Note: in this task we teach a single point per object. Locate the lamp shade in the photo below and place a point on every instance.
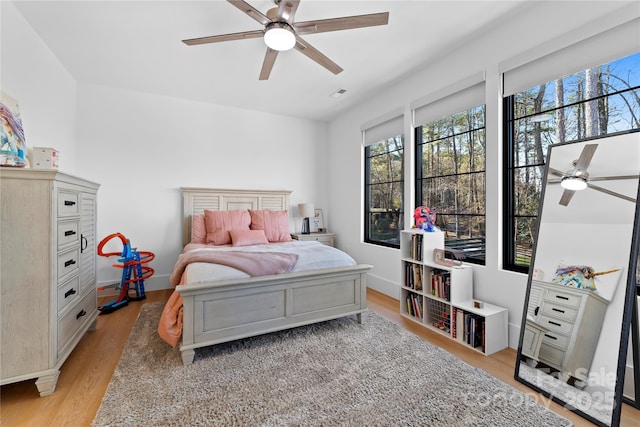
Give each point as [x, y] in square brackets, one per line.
[306, 210]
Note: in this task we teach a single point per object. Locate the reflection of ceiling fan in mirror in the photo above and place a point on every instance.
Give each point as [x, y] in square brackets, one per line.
[281, 32]
[577, 178]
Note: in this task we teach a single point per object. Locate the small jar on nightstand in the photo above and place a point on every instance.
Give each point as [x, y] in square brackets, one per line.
[324, 238]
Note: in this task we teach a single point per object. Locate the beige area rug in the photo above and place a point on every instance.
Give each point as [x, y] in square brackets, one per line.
[335, 373]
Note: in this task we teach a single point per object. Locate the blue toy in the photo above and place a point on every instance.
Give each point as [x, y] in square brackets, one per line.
[134, 272]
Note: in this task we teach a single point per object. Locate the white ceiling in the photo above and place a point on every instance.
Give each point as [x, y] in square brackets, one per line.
[137, 45]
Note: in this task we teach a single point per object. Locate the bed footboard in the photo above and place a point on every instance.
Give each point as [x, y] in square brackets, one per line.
[217, 312]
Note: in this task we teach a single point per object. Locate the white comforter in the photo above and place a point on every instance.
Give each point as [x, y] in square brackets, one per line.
[311, 256]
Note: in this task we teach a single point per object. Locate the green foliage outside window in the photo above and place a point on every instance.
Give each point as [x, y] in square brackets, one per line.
[600, 101]
[384, 166]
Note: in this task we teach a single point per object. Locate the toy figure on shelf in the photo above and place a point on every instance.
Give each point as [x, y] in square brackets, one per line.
[425, 218]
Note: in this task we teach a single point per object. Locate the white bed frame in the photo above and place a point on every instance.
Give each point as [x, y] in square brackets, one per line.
[220, 311]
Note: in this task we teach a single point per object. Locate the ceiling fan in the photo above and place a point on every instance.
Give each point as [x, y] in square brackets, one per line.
[281, 32]
[577, 178]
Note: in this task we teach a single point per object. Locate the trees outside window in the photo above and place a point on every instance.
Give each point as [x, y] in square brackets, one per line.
[450, 178]
[384, 191]
[601, 101]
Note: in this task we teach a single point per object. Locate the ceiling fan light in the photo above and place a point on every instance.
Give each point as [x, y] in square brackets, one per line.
[574, 183]
[279, 36]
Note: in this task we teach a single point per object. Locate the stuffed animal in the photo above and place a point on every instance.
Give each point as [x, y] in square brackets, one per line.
[425, 218]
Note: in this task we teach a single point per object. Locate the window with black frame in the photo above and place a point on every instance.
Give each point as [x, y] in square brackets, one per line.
[593, 103]
[450, 178]
[384, 191]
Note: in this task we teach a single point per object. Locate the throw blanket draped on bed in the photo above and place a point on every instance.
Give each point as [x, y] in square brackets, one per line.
[254, 264]
[251, 263]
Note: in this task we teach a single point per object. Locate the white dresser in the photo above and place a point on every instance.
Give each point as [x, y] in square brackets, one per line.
[48, 272]
[572, 320]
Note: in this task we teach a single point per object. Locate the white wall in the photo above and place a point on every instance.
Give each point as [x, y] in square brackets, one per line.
[44, 89]
[141, 148]
[522, 37]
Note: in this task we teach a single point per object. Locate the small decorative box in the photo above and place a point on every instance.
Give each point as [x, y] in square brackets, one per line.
[44, 158]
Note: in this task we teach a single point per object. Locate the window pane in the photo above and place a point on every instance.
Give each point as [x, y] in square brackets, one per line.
[384, 182]
[600, 101]
[451, 178]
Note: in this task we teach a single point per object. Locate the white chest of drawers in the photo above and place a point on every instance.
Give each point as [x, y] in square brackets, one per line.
[48, 272]
[572, 319]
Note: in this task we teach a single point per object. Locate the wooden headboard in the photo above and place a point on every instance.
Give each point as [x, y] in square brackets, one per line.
[196, 200]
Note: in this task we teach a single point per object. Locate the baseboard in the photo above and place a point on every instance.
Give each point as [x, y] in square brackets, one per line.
[155, 283]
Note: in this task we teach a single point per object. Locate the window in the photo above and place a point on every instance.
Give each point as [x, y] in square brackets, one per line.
[598, 101]
[450, 178]
[384, 191]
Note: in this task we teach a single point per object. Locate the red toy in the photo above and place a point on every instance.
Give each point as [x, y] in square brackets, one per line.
[134, 272]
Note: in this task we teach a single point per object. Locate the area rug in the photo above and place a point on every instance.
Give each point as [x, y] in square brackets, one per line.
[334, 373]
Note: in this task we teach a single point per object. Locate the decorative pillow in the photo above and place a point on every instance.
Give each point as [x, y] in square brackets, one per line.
[248, 237]
[219, 223]
[198, 229]
[274, 223]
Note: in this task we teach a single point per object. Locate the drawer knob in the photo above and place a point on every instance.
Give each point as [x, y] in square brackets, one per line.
[82, 313]
[558, 310]
[69, 233]
[555, 323]
[563, 298]
[69, 203]
[69, 293]
[551, 337]
[70, 262]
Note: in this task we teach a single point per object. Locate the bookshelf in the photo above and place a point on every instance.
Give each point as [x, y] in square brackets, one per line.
[441, 297]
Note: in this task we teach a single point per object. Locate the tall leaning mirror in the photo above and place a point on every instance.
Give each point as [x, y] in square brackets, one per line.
[581, 285]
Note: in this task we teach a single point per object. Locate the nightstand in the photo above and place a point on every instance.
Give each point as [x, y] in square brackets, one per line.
[324, 238]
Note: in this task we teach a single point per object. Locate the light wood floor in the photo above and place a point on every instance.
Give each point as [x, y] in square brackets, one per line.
[86, 373]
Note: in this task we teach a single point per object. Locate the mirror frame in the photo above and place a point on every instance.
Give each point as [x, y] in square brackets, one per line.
[629, 303]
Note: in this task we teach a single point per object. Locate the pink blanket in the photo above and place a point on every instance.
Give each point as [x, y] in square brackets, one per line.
[251, 263]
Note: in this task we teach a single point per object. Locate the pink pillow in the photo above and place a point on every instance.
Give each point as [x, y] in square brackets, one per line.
[248, 237]
[274, 223]
[198, 230]
[219, 223]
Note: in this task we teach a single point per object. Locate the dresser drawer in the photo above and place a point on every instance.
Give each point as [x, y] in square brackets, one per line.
[551, 355]
[69, 324]
[68, 233]
[559, 311]
[556, 325]
[556, 296]
[67, 203]
[68, 263]
[68, 293]
[557, 340]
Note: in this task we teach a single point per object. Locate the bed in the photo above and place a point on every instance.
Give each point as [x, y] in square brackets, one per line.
[226, 307]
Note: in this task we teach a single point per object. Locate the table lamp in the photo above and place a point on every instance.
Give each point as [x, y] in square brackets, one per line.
[306, 211]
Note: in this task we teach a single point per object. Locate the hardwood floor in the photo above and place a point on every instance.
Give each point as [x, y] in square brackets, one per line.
[86, 373]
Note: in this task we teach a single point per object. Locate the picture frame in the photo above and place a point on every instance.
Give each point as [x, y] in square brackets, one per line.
[317, 222]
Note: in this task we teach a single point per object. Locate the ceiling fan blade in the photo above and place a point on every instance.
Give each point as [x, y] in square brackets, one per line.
[314, 54]
[556, 172]
[566, 197]
[267, 64]
[287, 9]
[251, 11]
[613, 177]
[224, 37]
[585, 158]
[345, 23]
[611, 193]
